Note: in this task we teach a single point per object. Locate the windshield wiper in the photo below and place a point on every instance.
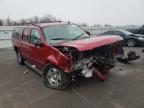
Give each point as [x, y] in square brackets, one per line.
[80, 36]
[60, 39]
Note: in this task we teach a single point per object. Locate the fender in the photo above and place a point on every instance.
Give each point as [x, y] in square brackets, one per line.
[61, 61]
[52, 60]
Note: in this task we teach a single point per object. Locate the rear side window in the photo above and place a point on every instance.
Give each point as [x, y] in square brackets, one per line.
[26, 35]
[118, 33]
[17, 32]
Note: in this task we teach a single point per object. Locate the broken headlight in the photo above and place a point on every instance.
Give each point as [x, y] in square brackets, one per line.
[70, 52]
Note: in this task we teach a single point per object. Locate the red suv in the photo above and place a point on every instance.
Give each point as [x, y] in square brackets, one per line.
[61, 52]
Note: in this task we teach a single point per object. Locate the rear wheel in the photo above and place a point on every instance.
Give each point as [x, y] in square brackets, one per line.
[55, 78]
[131, 42]
[20, 59]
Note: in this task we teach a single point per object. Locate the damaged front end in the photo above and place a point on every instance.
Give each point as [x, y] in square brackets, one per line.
[93, 62]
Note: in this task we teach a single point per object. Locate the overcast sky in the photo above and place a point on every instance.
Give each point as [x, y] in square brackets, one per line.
[115, 12]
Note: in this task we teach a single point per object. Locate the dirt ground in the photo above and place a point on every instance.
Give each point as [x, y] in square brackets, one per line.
[20, 87]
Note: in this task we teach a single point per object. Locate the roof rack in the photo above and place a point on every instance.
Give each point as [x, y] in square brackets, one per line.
[36, 24]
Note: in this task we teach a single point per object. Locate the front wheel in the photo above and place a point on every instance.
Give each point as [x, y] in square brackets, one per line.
[55, 78]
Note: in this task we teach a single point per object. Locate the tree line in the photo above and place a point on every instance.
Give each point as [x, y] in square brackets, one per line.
[44, 19]
[35, 19]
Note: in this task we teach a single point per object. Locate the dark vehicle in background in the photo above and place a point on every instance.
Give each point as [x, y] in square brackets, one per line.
[137, 31]
[130, 39]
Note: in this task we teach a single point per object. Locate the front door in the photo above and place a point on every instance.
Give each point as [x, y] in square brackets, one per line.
[37, 52]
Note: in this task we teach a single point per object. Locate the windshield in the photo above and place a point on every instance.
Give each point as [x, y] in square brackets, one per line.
[126, 32]
[60, 33]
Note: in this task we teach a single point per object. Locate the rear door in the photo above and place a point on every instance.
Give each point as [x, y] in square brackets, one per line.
[25, 44]
[16, 36]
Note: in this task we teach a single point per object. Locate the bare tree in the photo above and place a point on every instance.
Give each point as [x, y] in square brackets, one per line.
[36, 19]
[1, 22]
[84, 24]
[97, 25]
[15, 23]
[8, 22]
[22, 21]
[107, 25]
[47, 18]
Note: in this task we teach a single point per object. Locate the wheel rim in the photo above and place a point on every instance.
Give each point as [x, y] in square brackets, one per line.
[131, 43]
[54, 77]
[19, 57]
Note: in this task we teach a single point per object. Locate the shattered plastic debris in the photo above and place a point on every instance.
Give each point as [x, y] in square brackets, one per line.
[33, 66]
[25, 72]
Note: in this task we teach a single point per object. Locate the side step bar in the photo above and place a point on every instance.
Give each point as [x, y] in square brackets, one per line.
[33, 67]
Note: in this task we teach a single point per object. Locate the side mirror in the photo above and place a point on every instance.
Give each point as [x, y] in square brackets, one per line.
[87, 32]
[38, 42]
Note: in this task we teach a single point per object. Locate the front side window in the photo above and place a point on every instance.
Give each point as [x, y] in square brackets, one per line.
[60, 33]
[35, 36]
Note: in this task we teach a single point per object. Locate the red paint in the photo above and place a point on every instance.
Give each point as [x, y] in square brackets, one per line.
[93, 42]
[42, 56]
[98, 74]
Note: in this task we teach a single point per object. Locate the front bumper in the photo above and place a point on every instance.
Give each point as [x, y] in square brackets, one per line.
[140, 42]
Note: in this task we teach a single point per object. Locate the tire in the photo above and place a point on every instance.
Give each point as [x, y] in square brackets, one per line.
[20, 59]
[56, 78]
[131, 42]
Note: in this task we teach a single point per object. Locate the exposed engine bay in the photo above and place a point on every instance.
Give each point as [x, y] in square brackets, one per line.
[85, 62]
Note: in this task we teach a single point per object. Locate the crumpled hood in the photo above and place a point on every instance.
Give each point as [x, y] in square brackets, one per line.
[90, 43]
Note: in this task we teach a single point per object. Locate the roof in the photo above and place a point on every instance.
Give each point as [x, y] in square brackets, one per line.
[41, 24]
[50, 24]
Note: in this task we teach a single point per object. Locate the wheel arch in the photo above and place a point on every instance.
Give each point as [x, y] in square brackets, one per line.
[60, 61]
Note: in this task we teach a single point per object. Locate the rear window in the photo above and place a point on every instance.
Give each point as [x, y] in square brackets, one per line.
[108, 33]
[17, 32]
[26, 35]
